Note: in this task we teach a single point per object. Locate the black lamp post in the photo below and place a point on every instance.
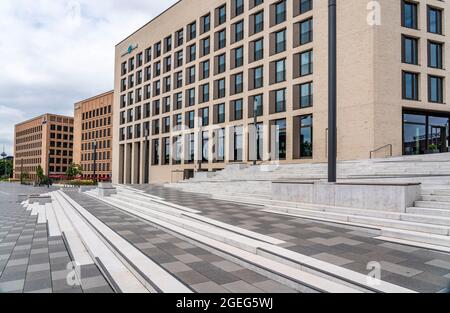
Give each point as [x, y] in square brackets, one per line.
[332, 92]
[255, 122]
[146, 161]
[95, 161]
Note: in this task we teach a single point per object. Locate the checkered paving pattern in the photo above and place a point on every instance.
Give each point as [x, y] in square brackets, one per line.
[350, 247]
[197, 268]
[33, 262]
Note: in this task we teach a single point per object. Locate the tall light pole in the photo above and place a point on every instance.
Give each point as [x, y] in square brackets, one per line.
[332, 92]
[146, 160]
[3, 159]
[255, 123]
[95, 161]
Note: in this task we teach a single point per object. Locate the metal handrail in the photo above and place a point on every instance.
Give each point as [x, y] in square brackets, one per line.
[381, 148]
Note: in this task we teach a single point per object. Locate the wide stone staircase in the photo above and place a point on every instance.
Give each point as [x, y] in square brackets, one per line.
[263, 254]
[426, 224]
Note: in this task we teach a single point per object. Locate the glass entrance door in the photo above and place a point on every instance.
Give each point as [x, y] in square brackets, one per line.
[438, 138]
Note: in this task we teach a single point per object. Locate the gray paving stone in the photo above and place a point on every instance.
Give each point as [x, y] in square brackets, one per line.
[399, 270]
[12, 286]
[176, 267]
[439, 263]
[241, 287]
[333, 259]
[209, 287]
[93, 282]
[228, 266]
[192, 277]
[34, 285]
[39, 267]
[271, 286]
[188, 258]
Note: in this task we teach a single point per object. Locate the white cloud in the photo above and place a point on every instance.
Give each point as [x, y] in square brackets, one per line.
[57, 52]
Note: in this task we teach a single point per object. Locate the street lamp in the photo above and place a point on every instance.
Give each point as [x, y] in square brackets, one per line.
[146, 161]
[4, 155]
[332, 93]
[255, 122]
[95, 161]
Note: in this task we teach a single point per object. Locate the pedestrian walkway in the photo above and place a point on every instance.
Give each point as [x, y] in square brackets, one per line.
[350, 247]
[30, 260]
[197, 268]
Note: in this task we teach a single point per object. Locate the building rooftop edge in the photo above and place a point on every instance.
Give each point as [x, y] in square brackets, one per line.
[94, 97]
[149, 22]
[41, 116]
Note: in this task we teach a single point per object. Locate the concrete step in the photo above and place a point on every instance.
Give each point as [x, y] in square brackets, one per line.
[431, 239]
[433, 205]
[366, 220]
[436, 198]
[98, 249]
[437, 192]
[429, 212]
[313, 273]
[149, 274]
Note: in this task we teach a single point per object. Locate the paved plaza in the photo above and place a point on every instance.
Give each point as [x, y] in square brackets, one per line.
[353, 248]
[32, 261]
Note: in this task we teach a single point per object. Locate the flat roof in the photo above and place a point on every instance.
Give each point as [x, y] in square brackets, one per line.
[152, 20]
[95, 97]
[41, 116]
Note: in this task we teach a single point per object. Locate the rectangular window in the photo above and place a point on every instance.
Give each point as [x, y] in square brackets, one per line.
[410, 49]
[306, 31]
[258, 78]
[237, 108]
[306, 6]
[205, 116]
[306, 63]
[205, 146]
[410, 86]
[280, 12]
[220, 113]
[238, 57]
[258, 22]
[258, 49]
[205, 69]
[435, 89]
[306, 95]
[409, 14]
[238, 83]
[280, 41]
[238, 143]
[238, 7]
[222, 14]
[219, 153]
[239, 31]
[192, 30]
[435, 54]
[280, 100]
[222, 39]
[206, 23]
[434, 20]
[166, 151]
[280, 139]
[306, 136]
[221, 63]
[280, 68]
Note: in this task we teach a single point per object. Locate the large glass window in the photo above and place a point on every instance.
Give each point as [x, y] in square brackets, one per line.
[259, 50]
[425, 133]
[306, 136]
[205, 146]
[306, 95]
[306, 63]
[280, 38]
[280, 12]
[280, 140]
[306, 31]
[238, 143]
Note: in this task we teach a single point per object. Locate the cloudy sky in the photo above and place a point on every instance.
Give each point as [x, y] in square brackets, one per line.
[57, 52]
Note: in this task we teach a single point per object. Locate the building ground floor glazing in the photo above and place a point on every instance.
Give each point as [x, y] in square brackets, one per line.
[177, 154]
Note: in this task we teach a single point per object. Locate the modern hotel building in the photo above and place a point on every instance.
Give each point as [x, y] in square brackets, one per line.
[45, 141]
[189, 83]
[93, 136]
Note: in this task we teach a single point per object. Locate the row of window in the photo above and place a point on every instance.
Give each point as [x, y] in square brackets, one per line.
[410, 17]
[97, 134]
[106, 121]
[102, 144]
[97, 112]
[278, 41]
[98, 156]
[303, 66]
[410, 52]
[411, 87]
[303, 98]
[278, 16]
[100, 167]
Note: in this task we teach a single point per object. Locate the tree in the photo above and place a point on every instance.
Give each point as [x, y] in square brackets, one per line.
[74, 170]
[6, 168]
[40, 174]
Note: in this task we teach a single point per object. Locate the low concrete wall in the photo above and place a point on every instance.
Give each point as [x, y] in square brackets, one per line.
[370, 196]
